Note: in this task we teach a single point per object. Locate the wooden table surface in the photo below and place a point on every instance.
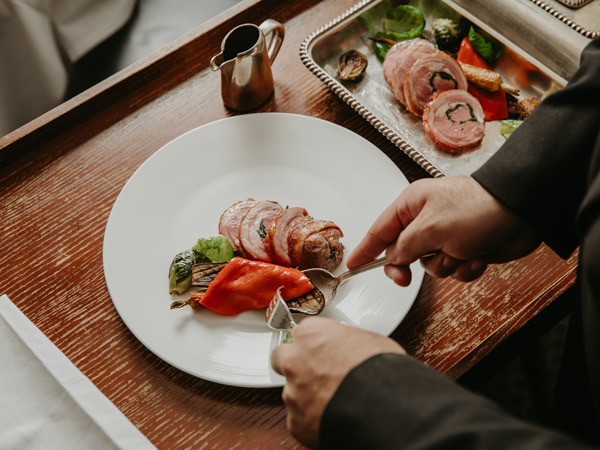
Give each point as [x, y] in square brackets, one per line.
[59, 178]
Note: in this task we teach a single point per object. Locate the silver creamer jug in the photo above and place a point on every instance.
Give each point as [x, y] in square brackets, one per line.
[247, 53]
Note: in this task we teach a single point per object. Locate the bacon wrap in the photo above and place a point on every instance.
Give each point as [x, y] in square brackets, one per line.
[430, 74]
[277, 239]
[400, 59]
[254, 229]
[230, 220]
[316, 243]
[454, 121]
[265, 231]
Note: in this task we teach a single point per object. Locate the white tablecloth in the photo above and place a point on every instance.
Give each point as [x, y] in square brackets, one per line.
[46, 402]
[39, 40]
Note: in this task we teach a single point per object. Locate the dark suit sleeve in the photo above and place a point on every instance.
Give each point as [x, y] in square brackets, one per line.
[543, 170]
[542, 173]
[395, 402]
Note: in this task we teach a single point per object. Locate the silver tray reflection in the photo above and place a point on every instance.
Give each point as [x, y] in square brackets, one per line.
[584, 19]
[372, 98]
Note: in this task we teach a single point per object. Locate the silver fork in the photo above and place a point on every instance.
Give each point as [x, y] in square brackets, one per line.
[278, 315]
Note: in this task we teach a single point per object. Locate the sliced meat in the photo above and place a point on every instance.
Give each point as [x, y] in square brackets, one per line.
[453, 119]
[254, 229]
[397, 64]
[230, 220]
[277, 239]
[315, 243]
[429, 74]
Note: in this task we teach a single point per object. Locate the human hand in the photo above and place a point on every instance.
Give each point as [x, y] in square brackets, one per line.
[452, 224]
[321, 354]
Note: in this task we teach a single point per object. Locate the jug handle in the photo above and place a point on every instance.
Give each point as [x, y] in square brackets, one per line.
[274, 33]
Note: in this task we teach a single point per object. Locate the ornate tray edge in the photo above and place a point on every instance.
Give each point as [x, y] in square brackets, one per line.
[566, 20]
[347, 97]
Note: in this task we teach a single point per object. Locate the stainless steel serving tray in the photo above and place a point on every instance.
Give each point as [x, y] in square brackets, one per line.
[584, 19]
[372, 98]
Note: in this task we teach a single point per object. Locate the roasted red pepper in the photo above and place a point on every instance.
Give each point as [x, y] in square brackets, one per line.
[468, 55]
[245, 284]
[494, 104]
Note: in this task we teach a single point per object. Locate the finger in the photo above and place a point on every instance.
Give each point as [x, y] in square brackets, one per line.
[277, 357]
[440, 265]
[401, 275]
[470, 270]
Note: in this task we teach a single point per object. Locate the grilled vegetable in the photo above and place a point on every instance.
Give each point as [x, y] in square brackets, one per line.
[245, 284]
[180, 272]
[212, 249]
[447, 34]
[494, 104]
[468, 55]
[351, 65]
[486, 79]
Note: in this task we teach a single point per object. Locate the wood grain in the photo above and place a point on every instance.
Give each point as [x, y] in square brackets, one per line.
[61, 173]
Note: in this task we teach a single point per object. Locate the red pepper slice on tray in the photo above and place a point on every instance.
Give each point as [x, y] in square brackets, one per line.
[494, 104]
[468, 55]
[246, 284]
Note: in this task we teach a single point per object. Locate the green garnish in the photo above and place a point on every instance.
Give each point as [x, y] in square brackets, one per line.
[216, 248]
[212, 249]
[180, 272]
[399, 24]
[487, 48]
[507, 126]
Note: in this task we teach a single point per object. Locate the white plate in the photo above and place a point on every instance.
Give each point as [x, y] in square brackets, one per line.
[177, 196]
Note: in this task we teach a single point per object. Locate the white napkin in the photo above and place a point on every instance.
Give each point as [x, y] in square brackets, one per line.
[46, 402]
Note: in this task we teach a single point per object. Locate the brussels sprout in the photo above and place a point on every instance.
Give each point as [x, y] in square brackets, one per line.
[447, 34]
[180, 272]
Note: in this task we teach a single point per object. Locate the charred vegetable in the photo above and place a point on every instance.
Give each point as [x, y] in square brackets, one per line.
[180, 272]
[245, 284]
[311, 303]
[212, 249]
[486, 79]
[204, 273]
[447, 34]
[351, 65]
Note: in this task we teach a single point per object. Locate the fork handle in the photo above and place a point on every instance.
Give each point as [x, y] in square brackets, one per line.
[360, 269]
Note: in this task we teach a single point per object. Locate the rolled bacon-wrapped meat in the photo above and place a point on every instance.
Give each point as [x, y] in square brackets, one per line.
[398, 61]
[428, 75]
[265, 231]
[453, 119]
